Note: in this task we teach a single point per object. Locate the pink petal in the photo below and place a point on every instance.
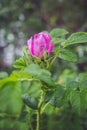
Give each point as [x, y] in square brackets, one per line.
[29, 43]
[39, 45]
[51, 46]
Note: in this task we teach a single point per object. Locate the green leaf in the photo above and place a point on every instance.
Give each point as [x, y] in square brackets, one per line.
[83, 98]
[41, 74]
[48, 95]
[66, 54]
[82, 76]
[11, 123]
[10, 98]
[57, 32]
[83, 85]
[33, 69]
[20, 76]
[3, 74]
[47, 79]
[78, 100]
[16, 76]
[75, 101]
[20, 63]
[79, 37]
[30, 101]
[67, 77]
[72, 85]
[58, 97]
[58, 40]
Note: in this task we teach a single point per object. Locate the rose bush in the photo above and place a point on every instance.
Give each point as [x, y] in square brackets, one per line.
[32, 91]
[41, 43]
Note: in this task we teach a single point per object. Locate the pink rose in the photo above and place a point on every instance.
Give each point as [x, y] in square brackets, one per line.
[41, 43]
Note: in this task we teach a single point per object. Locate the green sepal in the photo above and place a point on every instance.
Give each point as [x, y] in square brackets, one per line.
[20, 63]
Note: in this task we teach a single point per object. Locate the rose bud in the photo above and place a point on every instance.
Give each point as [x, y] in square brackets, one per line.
[41, 43]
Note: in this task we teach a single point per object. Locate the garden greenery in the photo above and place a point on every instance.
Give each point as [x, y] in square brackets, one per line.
[30, 91]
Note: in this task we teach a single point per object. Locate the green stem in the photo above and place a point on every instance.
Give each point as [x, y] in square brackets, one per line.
[56, 55]
[44, 108]
[39, 111]
[38, 120]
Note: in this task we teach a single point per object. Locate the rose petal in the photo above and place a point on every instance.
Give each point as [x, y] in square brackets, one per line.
[29, 43]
